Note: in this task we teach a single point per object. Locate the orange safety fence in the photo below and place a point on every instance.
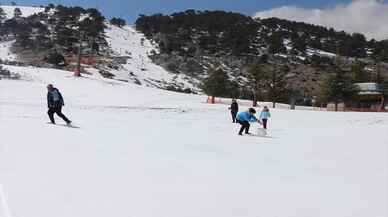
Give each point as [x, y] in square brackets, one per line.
[84, 60]
[224, 101]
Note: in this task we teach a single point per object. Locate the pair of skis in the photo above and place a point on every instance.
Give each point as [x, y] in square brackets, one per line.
[71, 125]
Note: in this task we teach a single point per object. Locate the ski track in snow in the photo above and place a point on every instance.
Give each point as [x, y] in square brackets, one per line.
[4, 208]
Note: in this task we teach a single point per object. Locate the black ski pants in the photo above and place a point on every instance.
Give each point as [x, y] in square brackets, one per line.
[58, 111]
[265, 123]
[234, 116]
[244, 126]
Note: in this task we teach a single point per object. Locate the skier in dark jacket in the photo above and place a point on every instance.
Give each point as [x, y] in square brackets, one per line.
[234, 110]
[55, 103]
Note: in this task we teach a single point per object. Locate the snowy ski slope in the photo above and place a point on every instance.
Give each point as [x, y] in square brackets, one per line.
[126, 41]
[145, 152]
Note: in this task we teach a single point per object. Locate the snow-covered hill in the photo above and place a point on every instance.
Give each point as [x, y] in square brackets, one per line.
[146, 152]
[5, 53]
[124, 42]
[26, 10]
[185, 62]
[127, 42]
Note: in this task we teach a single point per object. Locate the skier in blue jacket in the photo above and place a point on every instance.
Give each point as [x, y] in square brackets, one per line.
[264, 116]
[244, 118]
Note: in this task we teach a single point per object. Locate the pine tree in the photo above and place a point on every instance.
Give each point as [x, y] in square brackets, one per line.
[118, 22]
[276, 45]
[17, 13]
[217, 83]
[379, 75]
[276, 83]
[3, 16]
[337, 88]
[359, 73]
[385, 88]
[298, 44]
[256, 81]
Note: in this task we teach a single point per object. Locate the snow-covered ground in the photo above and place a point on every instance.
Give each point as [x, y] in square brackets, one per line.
[312, 52]
[5, 51]
[26, 10]
[127, 42]
[145, 152]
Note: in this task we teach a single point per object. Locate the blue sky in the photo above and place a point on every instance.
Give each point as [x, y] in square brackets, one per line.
[130, 9]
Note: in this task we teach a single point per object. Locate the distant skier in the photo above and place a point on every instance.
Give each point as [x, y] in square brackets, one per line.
[264, 116]
[55, 103]
[244, 118]
[234, 110]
